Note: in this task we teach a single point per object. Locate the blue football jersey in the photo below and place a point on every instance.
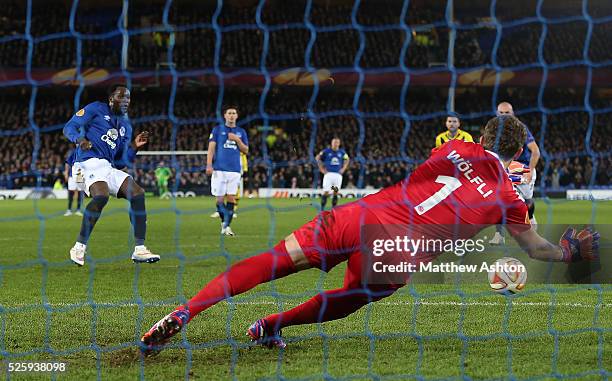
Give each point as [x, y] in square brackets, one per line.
[109, 134]
[526, 154]
[333, 160]
[227, 153]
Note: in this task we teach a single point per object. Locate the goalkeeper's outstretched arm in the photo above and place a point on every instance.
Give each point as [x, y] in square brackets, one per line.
[574, 246]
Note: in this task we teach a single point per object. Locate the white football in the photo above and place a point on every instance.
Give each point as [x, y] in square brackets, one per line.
[507, 276]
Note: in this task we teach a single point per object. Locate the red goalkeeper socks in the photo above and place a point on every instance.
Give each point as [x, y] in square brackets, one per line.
[330, 305]
[241, 277]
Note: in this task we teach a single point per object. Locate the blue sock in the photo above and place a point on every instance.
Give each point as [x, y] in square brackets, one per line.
[334, 201]
[221, 211]
[498, 229]
[79, 200]
[138, 217]
[92, 213]
[70, 197]
[229, 213]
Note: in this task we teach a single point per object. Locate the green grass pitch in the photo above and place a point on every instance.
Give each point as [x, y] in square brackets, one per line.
[92, 317]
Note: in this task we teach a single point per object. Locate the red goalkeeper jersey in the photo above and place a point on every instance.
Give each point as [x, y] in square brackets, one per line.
[460, 183]
[458, 191]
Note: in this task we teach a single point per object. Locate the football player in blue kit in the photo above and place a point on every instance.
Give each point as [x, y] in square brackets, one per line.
[223, 163]
[103, 135]
[333, 162]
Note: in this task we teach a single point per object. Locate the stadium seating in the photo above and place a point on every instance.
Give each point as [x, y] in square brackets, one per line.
[379, 160]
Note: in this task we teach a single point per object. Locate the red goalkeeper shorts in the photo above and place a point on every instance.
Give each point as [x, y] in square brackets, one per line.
[333, 237]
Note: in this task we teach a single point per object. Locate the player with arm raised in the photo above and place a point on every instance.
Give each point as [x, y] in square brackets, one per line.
[453, 131]
[225, 144]
[72, 185]
[461, 184]
[529, 158]
[103, 135]
[333, 162]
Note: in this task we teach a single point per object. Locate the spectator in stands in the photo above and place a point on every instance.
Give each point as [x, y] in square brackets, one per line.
[384, 155]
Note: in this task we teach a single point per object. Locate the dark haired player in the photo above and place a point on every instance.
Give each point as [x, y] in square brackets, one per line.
[225, 144]
[453, 132]
[461, 183]
[103, 135]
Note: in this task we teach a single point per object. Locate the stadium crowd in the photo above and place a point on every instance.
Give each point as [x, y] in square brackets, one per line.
[377, 27]
[383, 146]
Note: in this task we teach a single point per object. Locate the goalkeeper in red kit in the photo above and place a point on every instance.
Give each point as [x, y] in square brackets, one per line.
[460, 184]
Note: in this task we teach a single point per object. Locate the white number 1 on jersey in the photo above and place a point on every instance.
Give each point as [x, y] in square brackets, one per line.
[450, 185]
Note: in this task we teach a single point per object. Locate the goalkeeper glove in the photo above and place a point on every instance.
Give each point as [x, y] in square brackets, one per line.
[515, 172]
[579, 246]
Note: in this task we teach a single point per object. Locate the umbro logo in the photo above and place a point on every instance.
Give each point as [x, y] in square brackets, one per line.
[107, 118]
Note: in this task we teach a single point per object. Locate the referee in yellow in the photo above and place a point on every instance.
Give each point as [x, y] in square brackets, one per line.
[453, 131]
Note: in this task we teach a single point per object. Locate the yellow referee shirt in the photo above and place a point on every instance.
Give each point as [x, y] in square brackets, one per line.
[244, 164]
[445, 136]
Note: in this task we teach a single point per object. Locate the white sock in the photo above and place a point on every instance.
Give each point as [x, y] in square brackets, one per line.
[140, 247]
[80, 245]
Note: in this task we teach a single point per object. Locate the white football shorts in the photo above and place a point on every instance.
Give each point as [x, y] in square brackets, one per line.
[72, 185]
[240, 191]
[526, 190]
[224, 183]
[93, 170]
[332, 178]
